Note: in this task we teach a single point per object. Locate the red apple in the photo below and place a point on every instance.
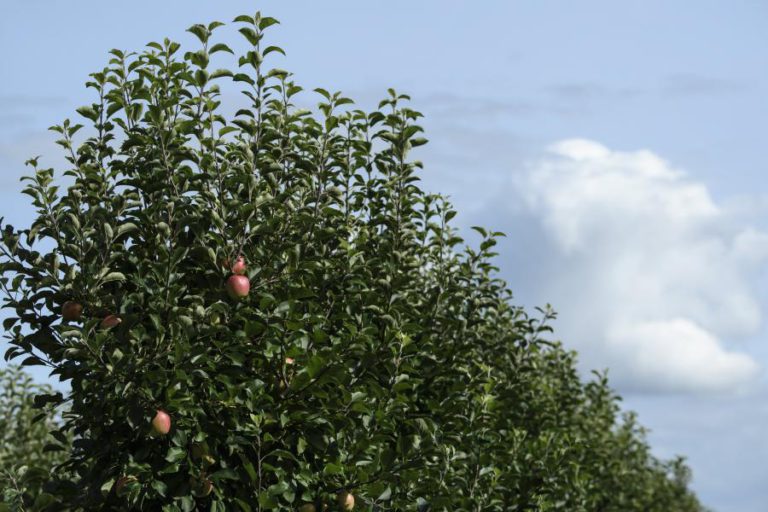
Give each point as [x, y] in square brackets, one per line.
[161, 423]
[71, 311]
[289, 360]
[110, 321]
[346, 500]
[238, 286]
[239, 266]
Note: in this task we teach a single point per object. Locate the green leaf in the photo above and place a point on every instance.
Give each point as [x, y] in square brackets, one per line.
[113, 276]
[224, 474]
[315, 366]
[250, 34]
[220, 47]
[89, 112]
[175, 454]
[128, 227]
[200, 31]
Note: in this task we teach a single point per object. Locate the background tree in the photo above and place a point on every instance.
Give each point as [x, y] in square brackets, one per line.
[263, 311]
[26, 455]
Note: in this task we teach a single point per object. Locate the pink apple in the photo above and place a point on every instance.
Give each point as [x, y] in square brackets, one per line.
[346, 500]
[71, 311]
[239, 266]
[161, 423]
[238, 286]
[110, 321]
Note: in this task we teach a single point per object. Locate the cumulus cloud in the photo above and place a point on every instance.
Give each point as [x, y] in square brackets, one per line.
[651, 276]
[675, 354]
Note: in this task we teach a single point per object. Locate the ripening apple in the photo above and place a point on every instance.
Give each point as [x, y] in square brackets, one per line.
[238, 286]
[200, 485]
[200, 452]
[346, 500]
[110, 321]
[308, 507]
[289, 360]
[71, 311]
[239, 266]
[122, 482]
[201, 488]
[161, 423]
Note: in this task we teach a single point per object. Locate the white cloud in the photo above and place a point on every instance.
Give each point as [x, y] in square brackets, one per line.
[676, 354]
[650, 276]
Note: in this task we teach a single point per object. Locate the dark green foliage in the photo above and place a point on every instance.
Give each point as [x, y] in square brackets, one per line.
[412, 380]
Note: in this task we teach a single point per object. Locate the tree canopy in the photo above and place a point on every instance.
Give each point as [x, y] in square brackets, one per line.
[256, 307]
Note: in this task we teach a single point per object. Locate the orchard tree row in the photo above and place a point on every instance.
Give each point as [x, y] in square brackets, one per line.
[255, 307]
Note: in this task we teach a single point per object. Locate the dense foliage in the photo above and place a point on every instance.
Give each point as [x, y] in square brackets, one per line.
[26, 458]
[369, 355]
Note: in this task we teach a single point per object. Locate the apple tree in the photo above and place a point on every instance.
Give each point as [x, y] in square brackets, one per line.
[256, 307]
[28, 451]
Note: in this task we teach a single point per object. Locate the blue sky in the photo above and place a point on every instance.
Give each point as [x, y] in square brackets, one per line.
[620, 145]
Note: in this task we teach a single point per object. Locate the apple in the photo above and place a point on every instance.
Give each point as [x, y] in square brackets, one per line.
[110, 321]
[307, 507]
[239, 266]
[161, 423]
[71, 311]
[200, 452]
[203, 487]
[289, 360]
[238, 286]
[346, 500]
[122, 482]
